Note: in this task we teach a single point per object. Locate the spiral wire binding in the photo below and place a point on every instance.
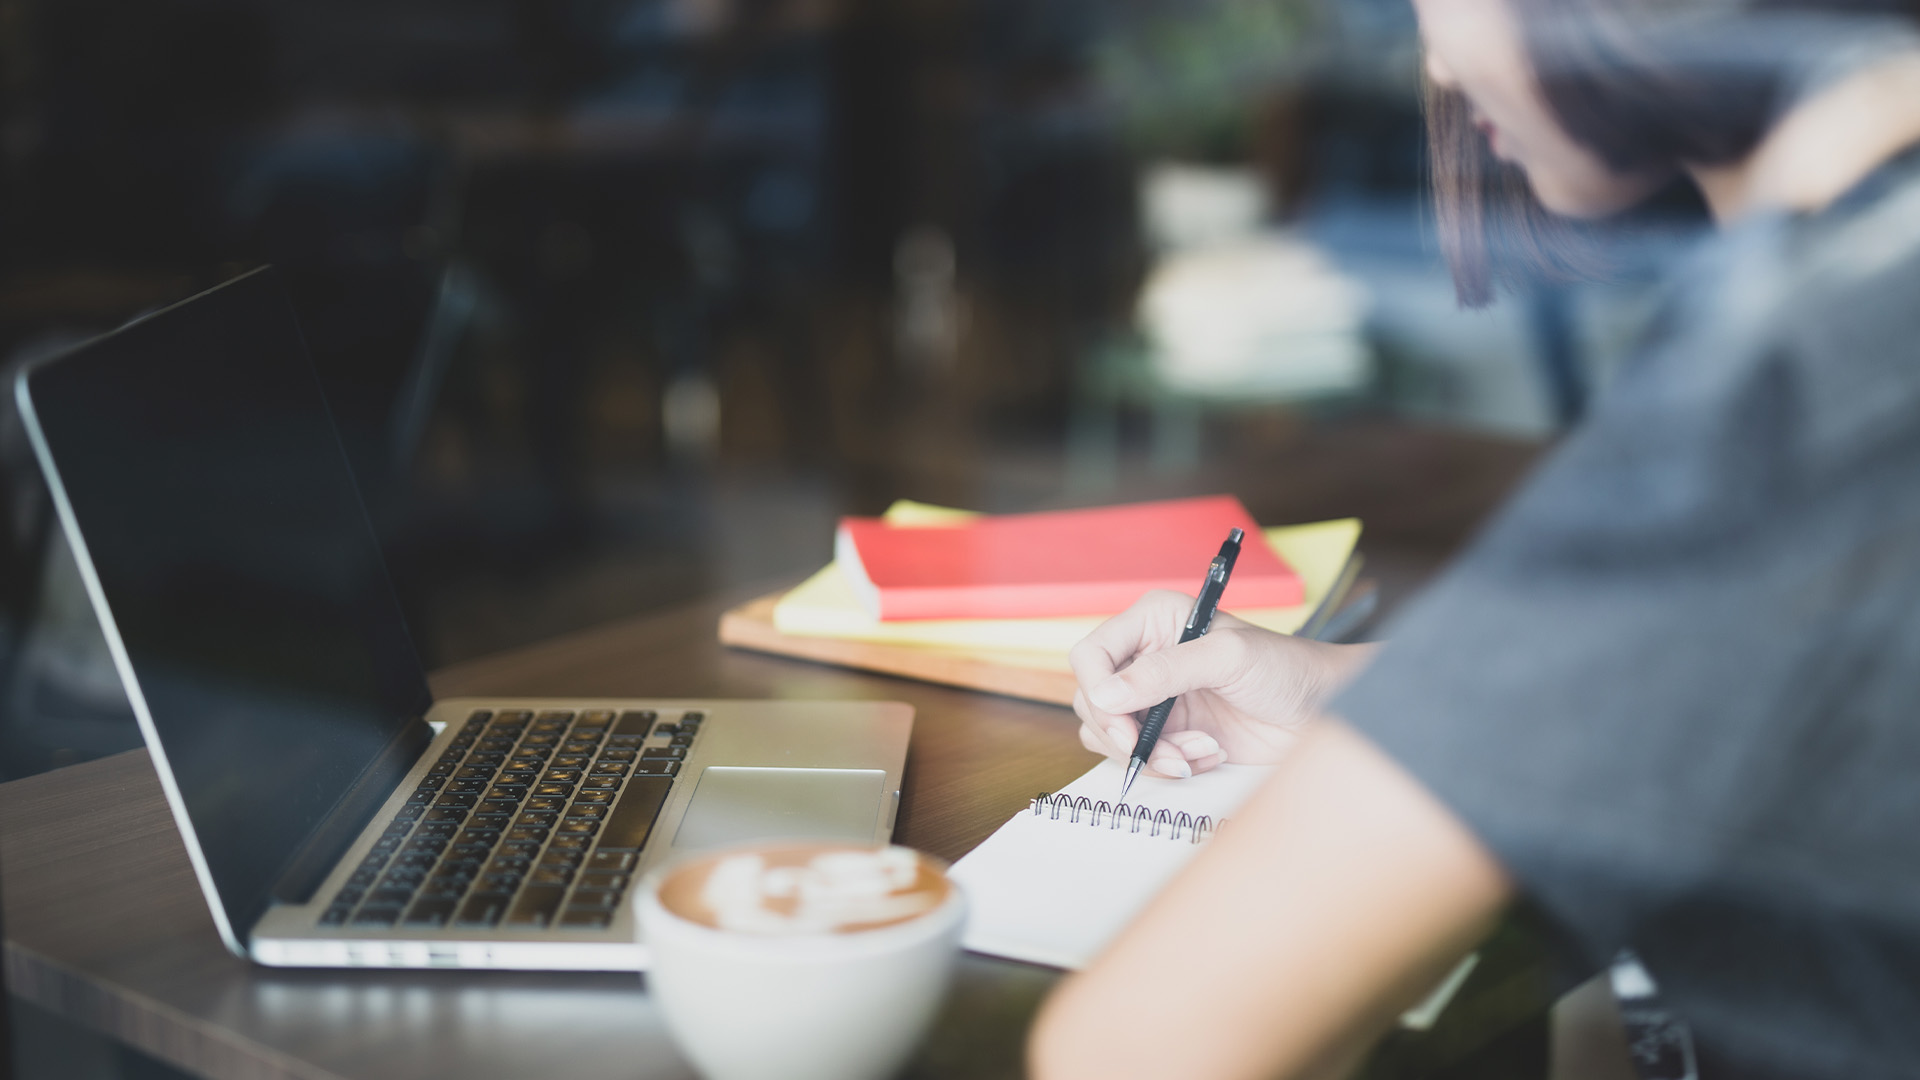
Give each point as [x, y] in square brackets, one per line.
[1192, 828]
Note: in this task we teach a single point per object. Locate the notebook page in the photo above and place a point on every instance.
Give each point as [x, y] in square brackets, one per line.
[1053, 891]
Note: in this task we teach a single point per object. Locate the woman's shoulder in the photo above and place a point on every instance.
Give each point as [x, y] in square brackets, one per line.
[1814, 319]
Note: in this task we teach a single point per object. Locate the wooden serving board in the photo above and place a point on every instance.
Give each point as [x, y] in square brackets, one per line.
[750, 626]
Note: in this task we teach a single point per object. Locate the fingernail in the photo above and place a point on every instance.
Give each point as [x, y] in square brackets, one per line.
[1176, 767]
[1200, 746]
[1110, 694]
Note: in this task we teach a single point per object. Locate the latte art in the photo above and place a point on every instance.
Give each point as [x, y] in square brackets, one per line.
[811, 889]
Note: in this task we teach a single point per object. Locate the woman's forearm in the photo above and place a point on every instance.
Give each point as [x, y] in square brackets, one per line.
[1328, 903]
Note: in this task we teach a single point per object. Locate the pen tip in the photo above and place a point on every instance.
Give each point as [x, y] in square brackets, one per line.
[1133, 770]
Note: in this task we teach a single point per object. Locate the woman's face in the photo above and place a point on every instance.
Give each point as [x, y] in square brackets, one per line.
[1474, 47]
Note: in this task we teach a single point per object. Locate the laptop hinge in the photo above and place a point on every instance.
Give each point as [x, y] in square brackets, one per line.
[337, 831]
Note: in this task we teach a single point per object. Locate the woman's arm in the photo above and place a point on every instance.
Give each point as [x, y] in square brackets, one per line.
[1331, 902]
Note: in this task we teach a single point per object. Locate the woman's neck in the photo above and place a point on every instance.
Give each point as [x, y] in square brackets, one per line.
[1823, 147]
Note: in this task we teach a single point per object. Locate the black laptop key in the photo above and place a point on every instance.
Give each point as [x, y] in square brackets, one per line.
[460, 799]
[657, 767]
[573, 761]
[409, 812]
[416, 860]
[587, 798]
[669, 753]
[575, 919]
[635, 722]
[683, 739]
[521, 849]
[497, 742]
[550, 875]
[603, 879]
[479, 835]
[610, 768]
[633, 816]
[617, 753]
[536, 905]
[692, 716]
[604, 860]
[566, 842]
[435, 830]
[484, 909]
[471, 786]
[430, 913]
[588, 811]
[442, 889]
[479, 718]
[501, 882]
[389, 897]
[420, 797]
[453, 815]
[487, 757]
[629, 741]
[350, 895]
[563, 856]
[336, 914]
[537, 819]
[377, 915]
[594, 898]
[552, 790]
[595, 718]
[515, 716]
[600, 783]
[526, 832]
[546, 802]
[430, 846]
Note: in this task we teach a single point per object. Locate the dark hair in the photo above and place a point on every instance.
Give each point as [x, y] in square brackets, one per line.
[1645, 86]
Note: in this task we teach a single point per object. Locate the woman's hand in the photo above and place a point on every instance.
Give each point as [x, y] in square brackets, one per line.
[1244, 691]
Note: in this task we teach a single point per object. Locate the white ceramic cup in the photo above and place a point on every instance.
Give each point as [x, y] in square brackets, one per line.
[819, 1006]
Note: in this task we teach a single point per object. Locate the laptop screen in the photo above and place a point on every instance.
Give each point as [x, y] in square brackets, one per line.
[217, 513]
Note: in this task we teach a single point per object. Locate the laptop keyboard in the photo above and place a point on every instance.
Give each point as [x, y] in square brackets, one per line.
[525, 821]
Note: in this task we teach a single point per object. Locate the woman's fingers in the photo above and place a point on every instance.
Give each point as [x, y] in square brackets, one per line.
[1119, 731]
[1153, 622]
[1205, 663]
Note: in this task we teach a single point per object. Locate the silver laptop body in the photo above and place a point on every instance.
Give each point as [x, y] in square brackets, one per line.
[334, 814]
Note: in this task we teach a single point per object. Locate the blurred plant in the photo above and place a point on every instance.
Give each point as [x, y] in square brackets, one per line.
[1186, 75]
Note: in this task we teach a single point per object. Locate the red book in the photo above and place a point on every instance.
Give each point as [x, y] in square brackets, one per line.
[1066, 562]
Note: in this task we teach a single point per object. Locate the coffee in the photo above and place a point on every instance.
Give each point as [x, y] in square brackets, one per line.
[796, 889]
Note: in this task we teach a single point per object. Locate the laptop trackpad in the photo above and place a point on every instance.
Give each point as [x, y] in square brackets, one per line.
[734, 804]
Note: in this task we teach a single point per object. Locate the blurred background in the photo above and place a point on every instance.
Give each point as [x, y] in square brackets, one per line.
[624, 302]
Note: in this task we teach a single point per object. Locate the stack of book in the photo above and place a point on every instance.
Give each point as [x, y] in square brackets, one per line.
[995, 603]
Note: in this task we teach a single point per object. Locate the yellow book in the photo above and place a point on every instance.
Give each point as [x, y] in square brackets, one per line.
[825, 604]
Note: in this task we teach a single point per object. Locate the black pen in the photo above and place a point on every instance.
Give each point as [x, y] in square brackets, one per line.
[1198, 620]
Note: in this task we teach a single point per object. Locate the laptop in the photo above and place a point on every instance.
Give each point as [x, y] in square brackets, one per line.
[335, 814]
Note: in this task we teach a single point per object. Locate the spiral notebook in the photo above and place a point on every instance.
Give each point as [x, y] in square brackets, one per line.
[1058, 881]
[1061, 879]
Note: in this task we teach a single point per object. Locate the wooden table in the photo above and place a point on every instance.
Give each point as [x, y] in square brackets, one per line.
[106, 926]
